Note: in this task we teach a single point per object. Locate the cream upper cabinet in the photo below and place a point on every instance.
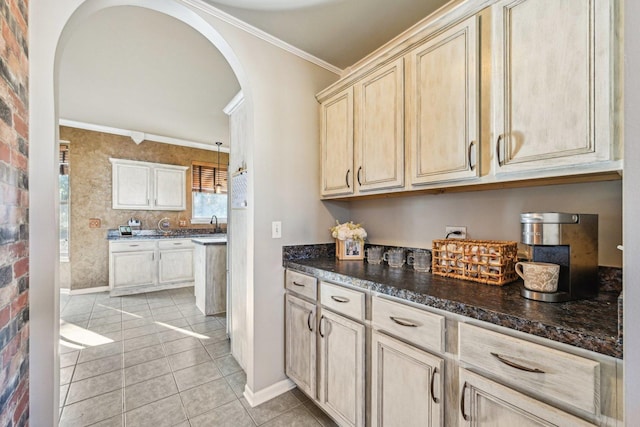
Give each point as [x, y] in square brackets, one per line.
[379, 128]
[442, 106]
[148, 186]
[336, 121]
[551, 88]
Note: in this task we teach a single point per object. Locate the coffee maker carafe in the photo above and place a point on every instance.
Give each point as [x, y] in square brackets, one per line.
[569, 240]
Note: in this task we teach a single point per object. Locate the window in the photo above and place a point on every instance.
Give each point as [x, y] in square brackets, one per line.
[206, 202]
[63, 178]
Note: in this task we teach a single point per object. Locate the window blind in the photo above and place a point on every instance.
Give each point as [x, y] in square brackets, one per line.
[64, 159]
[205, 176]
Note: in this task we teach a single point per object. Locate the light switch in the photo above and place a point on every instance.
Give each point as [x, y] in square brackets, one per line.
[276, 229]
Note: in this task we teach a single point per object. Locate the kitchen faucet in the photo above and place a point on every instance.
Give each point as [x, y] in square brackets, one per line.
[217, 228]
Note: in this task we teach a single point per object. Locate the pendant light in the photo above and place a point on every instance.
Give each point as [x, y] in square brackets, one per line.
[218, 186]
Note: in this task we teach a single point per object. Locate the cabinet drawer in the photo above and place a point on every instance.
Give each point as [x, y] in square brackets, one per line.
[342, 300]
[552, 374]
[132, 245]
[419, 327]
[175, 243]
[301, 283]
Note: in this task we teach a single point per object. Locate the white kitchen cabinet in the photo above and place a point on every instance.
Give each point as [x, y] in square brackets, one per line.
[486, 403]
[342, 368]
[137, 266]
[175, 261]
[379, 128]
[442, 98]
[552, 84]
[300, 335]
[407, 386]
[336, 121]
[132, 264]
[148, 186]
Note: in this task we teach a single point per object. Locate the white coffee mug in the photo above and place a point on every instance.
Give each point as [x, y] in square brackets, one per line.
[539, 276]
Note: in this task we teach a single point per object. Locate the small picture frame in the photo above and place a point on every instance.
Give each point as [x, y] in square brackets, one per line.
[349, 249]
[125, 230]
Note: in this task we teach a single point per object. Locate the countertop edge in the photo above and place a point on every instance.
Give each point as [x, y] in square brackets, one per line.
[609, 346]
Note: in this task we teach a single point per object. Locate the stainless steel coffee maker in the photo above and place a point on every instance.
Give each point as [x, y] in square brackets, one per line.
[569, 240]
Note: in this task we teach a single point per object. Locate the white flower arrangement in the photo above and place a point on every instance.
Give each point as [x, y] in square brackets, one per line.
[348, 231]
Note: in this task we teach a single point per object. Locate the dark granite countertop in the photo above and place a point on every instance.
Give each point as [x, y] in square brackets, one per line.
[184, 233]
[589, 324]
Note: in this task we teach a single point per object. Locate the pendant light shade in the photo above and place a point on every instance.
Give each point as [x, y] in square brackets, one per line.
[218, 186]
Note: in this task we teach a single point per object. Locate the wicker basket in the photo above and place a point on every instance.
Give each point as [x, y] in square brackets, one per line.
[486, 261]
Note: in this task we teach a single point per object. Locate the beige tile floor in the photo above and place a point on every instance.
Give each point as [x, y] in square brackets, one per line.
[154, 360]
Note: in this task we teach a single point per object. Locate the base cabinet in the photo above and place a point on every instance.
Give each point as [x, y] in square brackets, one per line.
[138, 266]
[300, 321]
[342, 368]
[406, 385]
[486, 403]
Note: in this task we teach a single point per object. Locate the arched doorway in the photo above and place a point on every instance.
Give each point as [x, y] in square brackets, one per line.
[44, 300]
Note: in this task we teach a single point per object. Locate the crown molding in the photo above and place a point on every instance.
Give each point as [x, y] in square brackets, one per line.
[138, 136]
[235, 102]
[232, 20]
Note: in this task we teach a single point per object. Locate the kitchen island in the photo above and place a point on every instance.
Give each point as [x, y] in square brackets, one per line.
[210, 265]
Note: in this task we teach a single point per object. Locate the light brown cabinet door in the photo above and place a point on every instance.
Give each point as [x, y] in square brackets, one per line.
[442, 99]
[300, 355]
[336, 125]
[487, 403]
[552, 83]
[342, 369]
[406, 385]
[379, 128]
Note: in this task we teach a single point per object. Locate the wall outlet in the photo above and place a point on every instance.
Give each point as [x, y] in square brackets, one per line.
[449, 229]
[276, 229]
[94, 222]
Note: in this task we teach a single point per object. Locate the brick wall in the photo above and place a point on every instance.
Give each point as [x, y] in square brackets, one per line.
[14, 256]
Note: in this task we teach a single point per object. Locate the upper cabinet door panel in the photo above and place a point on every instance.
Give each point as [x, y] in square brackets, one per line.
[131, 186]
[379, 115]
[170, 189]
[552, 83]
[337, 144]
[443, 105]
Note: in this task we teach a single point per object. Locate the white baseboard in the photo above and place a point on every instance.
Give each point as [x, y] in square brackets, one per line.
[88, 290]
[266, 394]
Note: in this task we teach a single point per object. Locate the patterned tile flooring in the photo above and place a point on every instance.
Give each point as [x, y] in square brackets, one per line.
[154, 360]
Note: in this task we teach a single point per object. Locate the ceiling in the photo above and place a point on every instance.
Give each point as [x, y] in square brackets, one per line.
[127, 67]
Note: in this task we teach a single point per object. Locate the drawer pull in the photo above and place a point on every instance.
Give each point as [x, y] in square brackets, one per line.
[403, 322]
[309, 321]
[177, 243]
[465, 416]
[339, 299]
[433, 377]
[133, 246]
[298, 284]
[500, 161]
[515, 365]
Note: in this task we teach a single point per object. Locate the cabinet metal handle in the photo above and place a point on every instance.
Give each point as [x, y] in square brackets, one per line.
[464, 416]
[177, 244]
[516, 365]
[298, 284]
[359, 170]
[320, 328]
[347, 178]
[339, 299]
[471, 167]
[433, 377]
[309, 321]
[133, 246]
[498, 151]
[153, 256]
[403, 322]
